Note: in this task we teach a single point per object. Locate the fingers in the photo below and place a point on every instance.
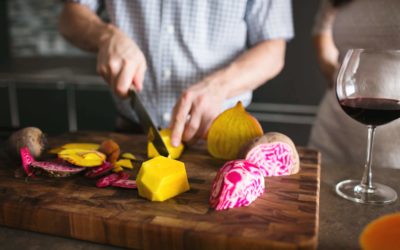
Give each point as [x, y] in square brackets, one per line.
[192, 125]
[180, 114]
[123, 81]
[139, 76]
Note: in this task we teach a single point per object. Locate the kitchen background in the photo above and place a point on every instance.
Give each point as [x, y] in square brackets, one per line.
[46, 82]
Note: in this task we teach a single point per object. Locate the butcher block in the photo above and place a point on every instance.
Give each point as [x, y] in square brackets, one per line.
[284, 217]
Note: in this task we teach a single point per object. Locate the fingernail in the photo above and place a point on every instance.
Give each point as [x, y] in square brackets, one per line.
[175, 142]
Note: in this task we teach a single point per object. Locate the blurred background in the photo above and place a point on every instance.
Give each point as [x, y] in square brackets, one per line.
[47, 83]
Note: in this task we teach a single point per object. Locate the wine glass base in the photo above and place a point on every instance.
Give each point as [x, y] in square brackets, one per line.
[354, 191]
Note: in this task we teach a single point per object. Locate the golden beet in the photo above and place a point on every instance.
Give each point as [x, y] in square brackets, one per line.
[232, 129]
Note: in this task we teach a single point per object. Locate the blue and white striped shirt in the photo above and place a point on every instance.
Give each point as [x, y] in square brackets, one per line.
[184, 40]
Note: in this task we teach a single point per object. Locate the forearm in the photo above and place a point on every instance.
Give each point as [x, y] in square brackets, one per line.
[252, 69]
[327, 54]
[82, 27]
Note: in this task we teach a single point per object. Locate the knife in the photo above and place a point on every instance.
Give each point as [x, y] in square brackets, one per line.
[147, 123]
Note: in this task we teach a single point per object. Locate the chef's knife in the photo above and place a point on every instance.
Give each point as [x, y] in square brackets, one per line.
[147, 123]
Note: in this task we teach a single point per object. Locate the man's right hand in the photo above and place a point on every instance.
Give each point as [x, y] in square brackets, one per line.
[120, 62]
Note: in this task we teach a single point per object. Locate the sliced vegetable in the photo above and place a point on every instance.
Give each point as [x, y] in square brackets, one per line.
[110, 179]
[238, 183]
[27, 160]
[99, 171]
[162, 178]
[174, 152]
[274, 153]
[56, 169]
[75, 145]
[107, 180]
[82, 157]
[129, 156]
[125, 163]
[125, 184]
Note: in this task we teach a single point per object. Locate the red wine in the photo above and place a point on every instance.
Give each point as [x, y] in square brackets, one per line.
[371, 111]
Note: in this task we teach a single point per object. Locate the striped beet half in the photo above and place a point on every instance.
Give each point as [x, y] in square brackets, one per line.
[274, 159]
[238, 183]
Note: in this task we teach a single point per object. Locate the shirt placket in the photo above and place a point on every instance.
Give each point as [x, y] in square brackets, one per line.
[164, 91]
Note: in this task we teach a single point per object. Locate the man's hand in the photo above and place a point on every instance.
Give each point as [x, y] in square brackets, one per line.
[200, 104]
[196, 109]
[120, 62]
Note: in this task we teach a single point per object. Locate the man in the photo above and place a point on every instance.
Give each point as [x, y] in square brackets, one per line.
[189, 60]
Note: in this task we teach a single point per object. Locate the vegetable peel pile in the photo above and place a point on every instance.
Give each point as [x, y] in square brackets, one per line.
[74, 158]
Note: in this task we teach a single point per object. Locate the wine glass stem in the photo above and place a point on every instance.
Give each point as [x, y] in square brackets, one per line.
[366, 181]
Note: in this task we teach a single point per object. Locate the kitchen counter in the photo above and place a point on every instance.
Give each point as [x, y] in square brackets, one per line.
[340, 221]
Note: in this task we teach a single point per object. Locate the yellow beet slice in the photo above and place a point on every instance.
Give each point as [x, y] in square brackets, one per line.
[117, 169]
[174, 152]
[128, 156]
[125, 163]
[382, 233]
[82, 157]
[88, 146]
[162, 178]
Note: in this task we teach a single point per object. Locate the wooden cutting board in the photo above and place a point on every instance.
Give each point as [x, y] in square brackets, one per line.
[284, 217]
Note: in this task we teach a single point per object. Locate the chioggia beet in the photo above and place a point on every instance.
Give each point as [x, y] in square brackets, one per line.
[110, 179]
[274, 153]
[100, 170]
[107, 180]
[238, 183]
[125, 184]
[27, 160]
[54, 168]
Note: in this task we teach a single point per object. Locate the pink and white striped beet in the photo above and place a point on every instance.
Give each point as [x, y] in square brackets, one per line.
[274, 153]
[131, 184]
[100, 170]
[107, 180]
[238, 183]
[274, 159]
[27, 160]
[54, 168]
[111, 178]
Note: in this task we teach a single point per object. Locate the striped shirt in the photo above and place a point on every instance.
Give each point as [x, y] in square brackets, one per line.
[183, 41]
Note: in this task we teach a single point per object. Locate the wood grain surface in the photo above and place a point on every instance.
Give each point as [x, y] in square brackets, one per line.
[284, 217]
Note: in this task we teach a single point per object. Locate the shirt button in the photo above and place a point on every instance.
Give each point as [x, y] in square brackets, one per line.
[170, 29]
[167, 117]
[167, 74]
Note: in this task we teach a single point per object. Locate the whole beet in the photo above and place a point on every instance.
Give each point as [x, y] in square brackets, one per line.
[30, 137]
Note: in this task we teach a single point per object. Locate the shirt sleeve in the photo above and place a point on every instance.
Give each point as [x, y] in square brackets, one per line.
[93, 5]
[269, 19]
[324, 19]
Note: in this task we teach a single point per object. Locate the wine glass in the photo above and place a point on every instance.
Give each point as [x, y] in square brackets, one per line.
[368, 90]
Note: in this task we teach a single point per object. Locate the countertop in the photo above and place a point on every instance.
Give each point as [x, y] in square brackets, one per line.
[340, 221]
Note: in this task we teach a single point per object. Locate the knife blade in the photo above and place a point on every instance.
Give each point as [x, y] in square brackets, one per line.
[147, 123]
